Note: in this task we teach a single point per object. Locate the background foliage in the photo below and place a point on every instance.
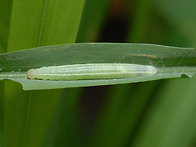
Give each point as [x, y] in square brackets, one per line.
[151, 114]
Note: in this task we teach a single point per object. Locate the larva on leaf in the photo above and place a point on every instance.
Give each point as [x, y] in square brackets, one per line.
[91, 71]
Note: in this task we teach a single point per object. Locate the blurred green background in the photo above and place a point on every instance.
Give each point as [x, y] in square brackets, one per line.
[151, 114]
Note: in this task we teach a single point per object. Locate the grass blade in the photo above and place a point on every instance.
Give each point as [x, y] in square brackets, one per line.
[170, 62]
[34, 23]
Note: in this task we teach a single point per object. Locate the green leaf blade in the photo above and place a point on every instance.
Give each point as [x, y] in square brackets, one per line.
[170, 62]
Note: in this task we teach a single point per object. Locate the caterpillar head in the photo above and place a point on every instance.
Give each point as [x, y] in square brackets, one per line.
[31, 73]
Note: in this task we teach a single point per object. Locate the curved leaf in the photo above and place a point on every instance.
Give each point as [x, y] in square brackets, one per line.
[171, 62]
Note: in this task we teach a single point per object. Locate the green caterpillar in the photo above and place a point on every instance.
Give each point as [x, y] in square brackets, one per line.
[91, 71]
